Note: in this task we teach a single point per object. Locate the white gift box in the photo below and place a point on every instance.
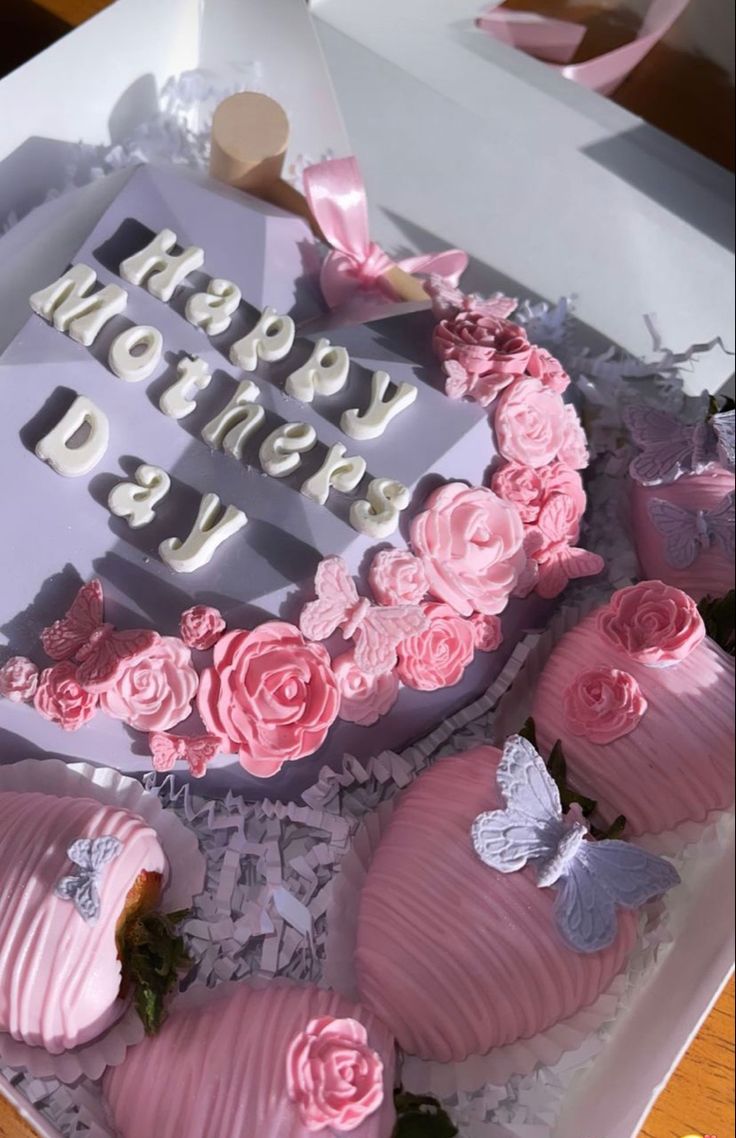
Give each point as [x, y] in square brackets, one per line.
[462, 142]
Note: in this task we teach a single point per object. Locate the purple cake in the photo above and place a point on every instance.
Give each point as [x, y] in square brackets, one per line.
[60, 532]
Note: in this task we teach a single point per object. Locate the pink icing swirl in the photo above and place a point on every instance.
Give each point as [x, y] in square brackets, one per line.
[603, 704]
[154, 693]
[653, 623]
[334, 1078]
[271, 696]
[487, 352]
[531, 423]
[544, 366]
[397, 577]
[487, 632]
[201, 627]
[437, 657]
[18, 679]
[364, 698]
[529, 488]
[59, 697]
[470, 542]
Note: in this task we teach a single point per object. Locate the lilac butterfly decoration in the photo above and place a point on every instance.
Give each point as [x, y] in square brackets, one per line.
[671, 448]
[592, 878]
[688, 532]
[89, 856]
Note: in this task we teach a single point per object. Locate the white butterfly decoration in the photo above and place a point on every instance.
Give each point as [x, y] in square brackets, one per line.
[593, 877]
[89, 856]
[688, 532]
[376, 629]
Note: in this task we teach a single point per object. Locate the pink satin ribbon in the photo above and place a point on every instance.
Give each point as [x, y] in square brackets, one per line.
[556, 41]
[336, 196]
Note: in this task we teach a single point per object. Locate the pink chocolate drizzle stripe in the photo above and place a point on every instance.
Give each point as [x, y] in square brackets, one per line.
[220, 1068]
[677, 764]
[454, 957]
[59, 975]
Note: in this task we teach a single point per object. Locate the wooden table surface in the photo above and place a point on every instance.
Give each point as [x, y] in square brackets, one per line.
[699, 1099]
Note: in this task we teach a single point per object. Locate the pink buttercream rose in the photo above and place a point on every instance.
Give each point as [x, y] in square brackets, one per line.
[437, 657]
[490, 351]
[333, 1077]
[656, 624]
[529, 489]
[603, 704]
[154, 693]
[271, 696]
[201, 627]
[397, 577]
[470, 542]
[487, 632]
[18, 679]
[364, 698]
[544, 366]
[60, 698]
[530, 422]
[573, 451]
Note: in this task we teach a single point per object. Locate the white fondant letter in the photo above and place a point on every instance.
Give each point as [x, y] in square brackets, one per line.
[372, 422]
[160, 269]
[280, 452]
[72, 461]
[205, 537]
[271, 339]
[135, 354]
[68, 303]
[324, 373]
[177, 401]
[239, 419]
[336, 470]
[135, 500]
[378, 514]
[212, 310]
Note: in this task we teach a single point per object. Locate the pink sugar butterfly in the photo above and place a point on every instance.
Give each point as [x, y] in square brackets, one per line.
[197, 751]
[100, 652]
[447, 299]
[558, 561]
[376, 629]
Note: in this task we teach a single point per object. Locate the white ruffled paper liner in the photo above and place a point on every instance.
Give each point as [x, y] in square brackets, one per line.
[186, 881]
[498, 1066]
[515, 707]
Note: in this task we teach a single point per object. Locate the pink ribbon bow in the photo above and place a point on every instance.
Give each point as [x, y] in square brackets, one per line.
[336, 196]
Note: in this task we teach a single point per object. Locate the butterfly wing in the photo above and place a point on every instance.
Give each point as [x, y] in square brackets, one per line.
[382, 630]
[566, 563]
[164, 750]
[80, 854]
[506, 840]
[723, 425]
[667, 445]
[81, 889]
[629, 875]
[679, 528]
[527, 786]
[104, 850]
[66, 636]
[721, 524]
[200, 752]
[105, 661]
[336, 598]
[585, 913]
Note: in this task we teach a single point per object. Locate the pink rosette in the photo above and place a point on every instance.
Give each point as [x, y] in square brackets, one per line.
[364, 698]
[59, 697]
[531, 423]
[271, 696]
[574, 449]
[18, 679]
[487, 632]
[437, 657]
[397, 577]
[653, 623]
[603, 704]
[154, 693]
[201, 627]
[333, 1077]
[529, 489]
[491, 352]
[470, 542]
[545, 367]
